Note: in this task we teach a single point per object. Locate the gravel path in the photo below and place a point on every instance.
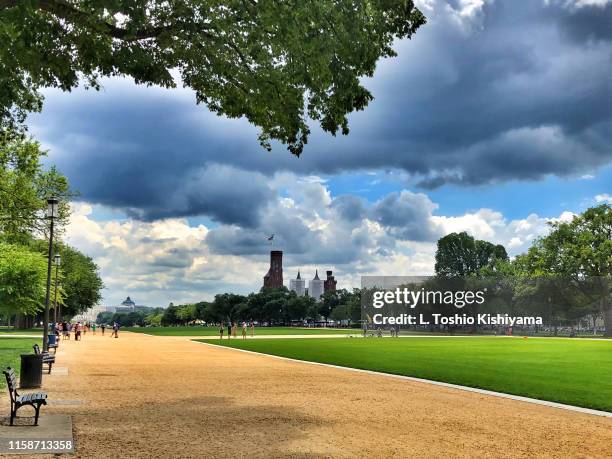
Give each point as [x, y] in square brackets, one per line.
[149, 396]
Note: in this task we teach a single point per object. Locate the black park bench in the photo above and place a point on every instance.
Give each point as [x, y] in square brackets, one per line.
[54, 346]
[47, 358]
[35, 400]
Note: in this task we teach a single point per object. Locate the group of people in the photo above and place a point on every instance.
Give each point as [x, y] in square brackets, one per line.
[232, 329]
[66, 328]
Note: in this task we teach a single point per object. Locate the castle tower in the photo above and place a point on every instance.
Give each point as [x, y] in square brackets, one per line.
[315, 287]
[274, 278]
[329, 285]
[298, 285]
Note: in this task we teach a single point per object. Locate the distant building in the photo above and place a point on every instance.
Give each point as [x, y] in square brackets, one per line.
[298, 285]
[126, 306]
[329, 285]
[91, 314]
[316, 287]
[274, 278]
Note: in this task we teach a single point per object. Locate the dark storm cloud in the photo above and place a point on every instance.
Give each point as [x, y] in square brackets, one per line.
[517, 90]
[349, 207]
[407, 216]
[290, 233]
[350, 239]
[587, 23]
[173, 258]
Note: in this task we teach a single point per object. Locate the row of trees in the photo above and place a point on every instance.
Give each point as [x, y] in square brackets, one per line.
[274, 306]
[564, 276]
[24, 188]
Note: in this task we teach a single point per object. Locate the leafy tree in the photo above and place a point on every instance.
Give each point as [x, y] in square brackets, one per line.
[23, 277]
[328, 302]
[581, 252]
[186, 313]
[298, 307]
[350, 305]
[460, 255]
[136, 318]
[24, 189]
[275, 63]
[223, 308]
[80, 279]
[170, 315]
[154, 319]
[104, 318]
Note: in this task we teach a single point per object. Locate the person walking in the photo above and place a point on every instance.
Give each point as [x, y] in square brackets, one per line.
[93, 328]
[115, 332]
[221, 330]
[234, 328]
[244, 330]
[103, 327]
[252, 329]
[229, 329]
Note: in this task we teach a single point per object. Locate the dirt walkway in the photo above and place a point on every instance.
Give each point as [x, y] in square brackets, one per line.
[150, 396]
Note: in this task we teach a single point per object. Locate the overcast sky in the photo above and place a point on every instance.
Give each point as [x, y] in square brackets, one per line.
[494, 119]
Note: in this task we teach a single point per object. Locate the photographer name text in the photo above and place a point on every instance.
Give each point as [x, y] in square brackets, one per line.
[456, 319]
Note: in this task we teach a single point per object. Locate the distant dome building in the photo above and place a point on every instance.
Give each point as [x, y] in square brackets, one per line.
[126, 306]
[315, 287]
[298, 285]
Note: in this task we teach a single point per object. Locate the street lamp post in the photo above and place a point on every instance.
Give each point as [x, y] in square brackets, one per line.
[52, 214]
[57, 266]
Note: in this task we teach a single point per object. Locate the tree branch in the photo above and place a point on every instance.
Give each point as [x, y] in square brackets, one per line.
[65, 10]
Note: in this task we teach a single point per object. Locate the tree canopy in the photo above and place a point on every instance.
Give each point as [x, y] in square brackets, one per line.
[23, 274]
[81, 282]
[579, 251]
[275, 63]
[25, 187]
[460, 255]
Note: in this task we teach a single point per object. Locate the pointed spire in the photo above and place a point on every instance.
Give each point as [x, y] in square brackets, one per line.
[298, 276]
[316, 275]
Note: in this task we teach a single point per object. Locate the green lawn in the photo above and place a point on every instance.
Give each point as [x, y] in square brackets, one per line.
[575, 372]
[10, 353]
[214, 331]
[20, 331]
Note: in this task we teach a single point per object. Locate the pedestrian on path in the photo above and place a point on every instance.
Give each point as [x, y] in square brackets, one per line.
[93, 328]
[244, 330]
[115, 332]
[252, 329]
[229, 329]
[234, 328]
[103, 327]
[221, 330]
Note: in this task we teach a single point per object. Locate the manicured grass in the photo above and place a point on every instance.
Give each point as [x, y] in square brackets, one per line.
[575, 372]
[214, 331]
[10, 353]
[20, 331]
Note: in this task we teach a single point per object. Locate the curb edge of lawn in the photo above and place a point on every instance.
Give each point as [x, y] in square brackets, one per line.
[519, 398]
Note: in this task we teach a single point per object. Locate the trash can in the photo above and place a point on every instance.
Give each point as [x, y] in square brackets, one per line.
[31, 371]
